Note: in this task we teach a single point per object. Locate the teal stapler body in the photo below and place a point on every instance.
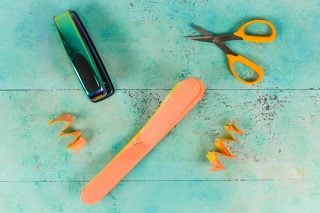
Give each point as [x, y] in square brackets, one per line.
[84, 57]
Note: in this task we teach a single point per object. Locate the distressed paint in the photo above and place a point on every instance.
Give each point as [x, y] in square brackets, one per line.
[167, 196]
[141, 42]
[147, 39]
[274, 148]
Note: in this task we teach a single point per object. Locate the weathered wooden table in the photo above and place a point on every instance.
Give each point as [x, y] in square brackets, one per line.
[277, 167]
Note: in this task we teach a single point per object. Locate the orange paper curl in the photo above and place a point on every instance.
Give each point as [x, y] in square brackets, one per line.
[221, 149]
[78, 143]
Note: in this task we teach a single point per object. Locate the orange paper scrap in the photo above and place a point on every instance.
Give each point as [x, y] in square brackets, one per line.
[221, 149]
[183, 97]
[78, 143]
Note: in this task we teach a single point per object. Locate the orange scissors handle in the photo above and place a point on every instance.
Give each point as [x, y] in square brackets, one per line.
[232, 59]
[256, 38]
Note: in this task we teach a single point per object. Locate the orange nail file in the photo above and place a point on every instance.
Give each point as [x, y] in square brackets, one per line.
[183, 97]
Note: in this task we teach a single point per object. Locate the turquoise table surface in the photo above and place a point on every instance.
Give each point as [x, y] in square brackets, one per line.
[277, 168]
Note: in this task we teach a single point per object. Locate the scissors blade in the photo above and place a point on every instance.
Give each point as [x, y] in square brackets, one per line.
[201, 30]
[201, 38]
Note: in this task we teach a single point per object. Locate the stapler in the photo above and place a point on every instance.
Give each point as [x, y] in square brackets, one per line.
[84, 57]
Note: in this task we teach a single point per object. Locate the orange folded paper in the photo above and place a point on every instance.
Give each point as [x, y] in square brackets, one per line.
[78, 143]
[221, 149]
[183, 97]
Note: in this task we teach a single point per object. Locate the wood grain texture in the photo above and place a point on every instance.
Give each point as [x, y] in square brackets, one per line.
[166, 196]
[142, 43]
[142, 39]
[278, 149]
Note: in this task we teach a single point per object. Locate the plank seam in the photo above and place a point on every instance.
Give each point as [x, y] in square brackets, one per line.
[128, 181]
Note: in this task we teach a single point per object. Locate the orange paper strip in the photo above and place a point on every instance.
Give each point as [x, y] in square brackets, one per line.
[78, 143]
[221, 149]
[183, 97]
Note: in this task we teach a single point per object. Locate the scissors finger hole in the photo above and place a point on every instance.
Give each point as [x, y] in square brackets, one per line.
[258, 29]
[245, 72]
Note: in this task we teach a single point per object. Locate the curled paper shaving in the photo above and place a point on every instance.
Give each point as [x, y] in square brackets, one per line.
[78, 143]
[221, 149]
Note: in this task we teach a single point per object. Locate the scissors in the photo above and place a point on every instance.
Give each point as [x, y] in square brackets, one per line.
[233, 57]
